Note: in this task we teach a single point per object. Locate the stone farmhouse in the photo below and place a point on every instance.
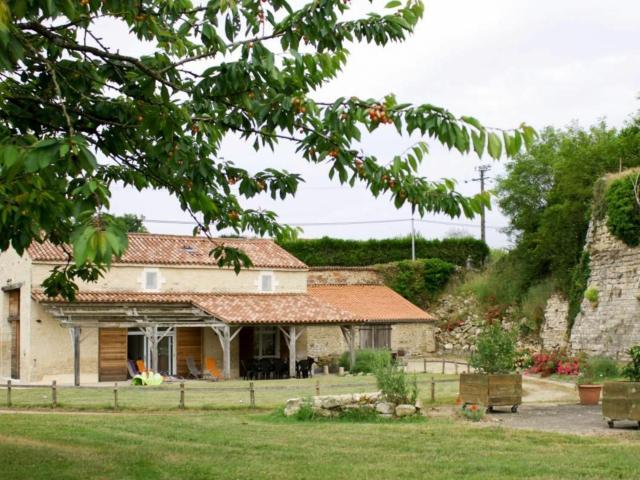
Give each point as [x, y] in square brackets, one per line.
[165, 302]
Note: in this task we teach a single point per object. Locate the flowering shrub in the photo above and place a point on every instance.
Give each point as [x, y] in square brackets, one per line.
[472, 412]
[569, 367]
[554, 362]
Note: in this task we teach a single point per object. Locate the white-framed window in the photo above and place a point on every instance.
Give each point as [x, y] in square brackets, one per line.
[151, 280]
[266, 282]
[266, 342]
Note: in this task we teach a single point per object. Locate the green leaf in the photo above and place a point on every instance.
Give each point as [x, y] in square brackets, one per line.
[479, 142]
[495, 146]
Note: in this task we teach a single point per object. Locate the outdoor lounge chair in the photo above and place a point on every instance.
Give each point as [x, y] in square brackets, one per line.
[194, 371]
[131, 367]
[212, 368]
[141, 366]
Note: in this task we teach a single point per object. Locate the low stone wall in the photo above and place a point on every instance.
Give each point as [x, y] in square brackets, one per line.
[344, 276]
[333, 405]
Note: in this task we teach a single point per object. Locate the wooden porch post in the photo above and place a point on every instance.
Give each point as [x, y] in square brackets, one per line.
[292, 351]
[352, 347]
[75, 339]
[152, 337]
[226, 352]
[350, 337]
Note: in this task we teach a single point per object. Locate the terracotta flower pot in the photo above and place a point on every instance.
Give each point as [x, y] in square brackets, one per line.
[589, 394]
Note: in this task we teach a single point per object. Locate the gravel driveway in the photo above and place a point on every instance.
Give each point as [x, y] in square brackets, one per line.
[576, 419]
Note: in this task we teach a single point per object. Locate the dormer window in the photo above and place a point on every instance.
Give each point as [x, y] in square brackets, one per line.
[151, 281]
[266, 282]
[189, 249]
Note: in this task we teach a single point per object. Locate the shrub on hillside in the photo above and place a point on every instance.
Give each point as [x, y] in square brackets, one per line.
[357, 253]
[501, 283]
[533, 306]
[623, 212]
[418, 281]
[368, 360]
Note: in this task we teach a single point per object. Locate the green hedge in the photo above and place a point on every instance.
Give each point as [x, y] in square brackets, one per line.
[623, 213]
[418, 281]
[358, 253]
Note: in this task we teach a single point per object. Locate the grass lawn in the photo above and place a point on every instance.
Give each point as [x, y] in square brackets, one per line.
[207, 395]
[236, 444]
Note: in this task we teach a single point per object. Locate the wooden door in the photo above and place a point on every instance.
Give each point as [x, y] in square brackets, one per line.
[188, 344]
[14, 321]
[112, 356]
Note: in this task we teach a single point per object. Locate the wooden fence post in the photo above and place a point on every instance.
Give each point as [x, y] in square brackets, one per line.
[252, 395]
[443, 366]
[181, 405]
[8, 393]
[424, 365]
[433, 390]
[317, 388]
[115, 396]
[468, 368]
[54, 394]
[456, 364]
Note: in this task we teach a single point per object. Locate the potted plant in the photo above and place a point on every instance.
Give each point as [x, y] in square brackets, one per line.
[621, 400]
[593, 371]
[495, 383]
[588, 390]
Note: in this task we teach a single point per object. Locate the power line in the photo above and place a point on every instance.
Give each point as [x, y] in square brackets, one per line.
[343, 223]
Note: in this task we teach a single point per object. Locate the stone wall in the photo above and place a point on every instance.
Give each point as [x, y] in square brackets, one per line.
[416, 339]
[554, 329]
[344, 276]
[612, 325]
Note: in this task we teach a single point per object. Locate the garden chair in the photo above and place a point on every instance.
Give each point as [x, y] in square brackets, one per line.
[131, 367]
[194, 371]
[141, 366]
[212, 368]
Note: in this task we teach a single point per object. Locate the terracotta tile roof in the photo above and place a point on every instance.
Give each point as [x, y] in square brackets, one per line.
[375, 303]
[153, 249]
[277, 308]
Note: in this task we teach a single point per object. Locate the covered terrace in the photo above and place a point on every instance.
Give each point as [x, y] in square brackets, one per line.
[158, 315]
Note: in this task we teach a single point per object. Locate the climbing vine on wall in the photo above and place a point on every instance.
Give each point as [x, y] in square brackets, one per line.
[579, 281]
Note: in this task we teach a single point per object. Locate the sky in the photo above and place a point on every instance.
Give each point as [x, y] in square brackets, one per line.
[543, 62]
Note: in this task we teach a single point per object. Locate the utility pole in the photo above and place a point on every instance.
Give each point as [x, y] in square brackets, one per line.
[482, 169]
[413, 239]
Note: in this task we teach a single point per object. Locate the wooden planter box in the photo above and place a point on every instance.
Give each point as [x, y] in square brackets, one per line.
[491, 390]
[621, 401]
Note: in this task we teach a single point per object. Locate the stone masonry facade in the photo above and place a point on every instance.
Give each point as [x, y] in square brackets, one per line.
[415, 339]
[554, 328]
[612, 325]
